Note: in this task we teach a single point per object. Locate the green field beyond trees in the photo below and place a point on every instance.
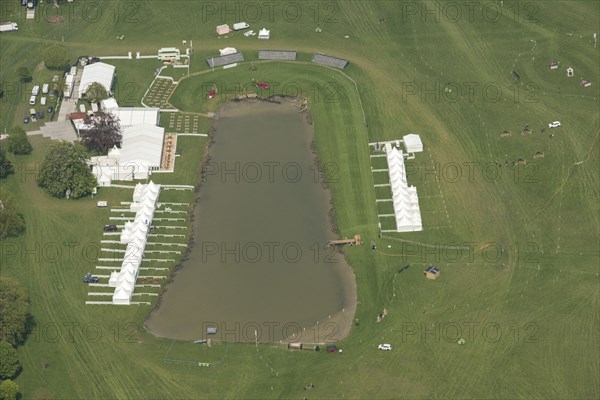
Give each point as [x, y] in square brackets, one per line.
[517, 245]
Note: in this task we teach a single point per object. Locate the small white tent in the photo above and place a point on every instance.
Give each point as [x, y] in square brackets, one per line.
[264, 34]
[413, 143]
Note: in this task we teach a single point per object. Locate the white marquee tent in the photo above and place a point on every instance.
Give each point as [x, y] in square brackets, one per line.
[413, 143]
[98, 72]
[135, 235]
[405, 198]
[139, 155]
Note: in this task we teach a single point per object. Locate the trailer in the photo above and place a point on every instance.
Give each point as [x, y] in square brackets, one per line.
[238, 26]
[9, 26]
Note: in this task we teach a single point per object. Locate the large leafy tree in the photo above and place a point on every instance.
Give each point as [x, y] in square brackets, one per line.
[55, 57]
[17, 142]
[24, 74]
[105, 132]
[8, 390]
[96, 93]
[14, 309]
[9, 362]
[11, 222]
[64, 169]
[6, 167]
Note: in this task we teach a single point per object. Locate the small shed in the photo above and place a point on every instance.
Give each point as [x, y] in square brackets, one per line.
[222, 29]
[570, 72]
[432, 273]
[264, 33]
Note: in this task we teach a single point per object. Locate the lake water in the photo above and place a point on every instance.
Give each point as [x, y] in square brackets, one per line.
[258, 268]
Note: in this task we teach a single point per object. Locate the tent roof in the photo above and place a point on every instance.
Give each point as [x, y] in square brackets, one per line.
[129, 116]
[99, 72]
[109, 104]
[413, 143]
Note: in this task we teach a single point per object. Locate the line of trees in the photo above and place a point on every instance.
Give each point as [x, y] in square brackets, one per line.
[14, 314]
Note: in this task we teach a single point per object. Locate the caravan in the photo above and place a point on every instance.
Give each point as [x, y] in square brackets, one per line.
[240, 25]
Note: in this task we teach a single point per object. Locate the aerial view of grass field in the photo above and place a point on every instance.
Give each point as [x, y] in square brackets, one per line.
[370, 199]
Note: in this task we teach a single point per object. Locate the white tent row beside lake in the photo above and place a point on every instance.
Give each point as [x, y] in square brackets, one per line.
[404, 197]
[135, 235]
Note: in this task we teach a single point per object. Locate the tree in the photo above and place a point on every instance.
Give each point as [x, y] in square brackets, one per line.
[24, 74]
[96, 93]
[9, 363]
[8, 390]
[14, 309]
[11, 222]
[55, 57]
[104, 133]
[64, 169]
[6, 167]
[17, 142]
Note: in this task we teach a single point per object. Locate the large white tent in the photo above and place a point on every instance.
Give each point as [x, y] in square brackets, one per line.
[134, 234]
[139, 155]
[404, 197]
[97, 73]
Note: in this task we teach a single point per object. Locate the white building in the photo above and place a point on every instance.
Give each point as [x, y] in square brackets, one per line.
[97, 73]
[139, 155]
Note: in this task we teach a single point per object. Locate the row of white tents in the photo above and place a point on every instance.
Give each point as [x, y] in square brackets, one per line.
[135, 235]
[404, 197]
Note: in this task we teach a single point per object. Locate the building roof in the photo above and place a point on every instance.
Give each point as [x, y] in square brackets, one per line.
[289, 55]
[329, 61]
[130, 116]
[99, 72]
[217, 61]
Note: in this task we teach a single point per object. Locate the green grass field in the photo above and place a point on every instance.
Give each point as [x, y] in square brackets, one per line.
[517, 245]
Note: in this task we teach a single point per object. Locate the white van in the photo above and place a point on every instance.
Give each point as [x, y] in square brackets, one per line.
[43, 100]
[32, 100]
[36, 90]
[240, 25]
[45, 88]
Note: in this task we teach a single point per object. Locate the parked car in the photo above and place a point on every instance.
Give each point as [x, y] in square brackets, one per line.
[89, 278]
[25, 120]
[110, 228]
[332, 348]
[385, 347]
[50, 109]
[262, 85]
[554, 124]
[40, 114]
[211, 330]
